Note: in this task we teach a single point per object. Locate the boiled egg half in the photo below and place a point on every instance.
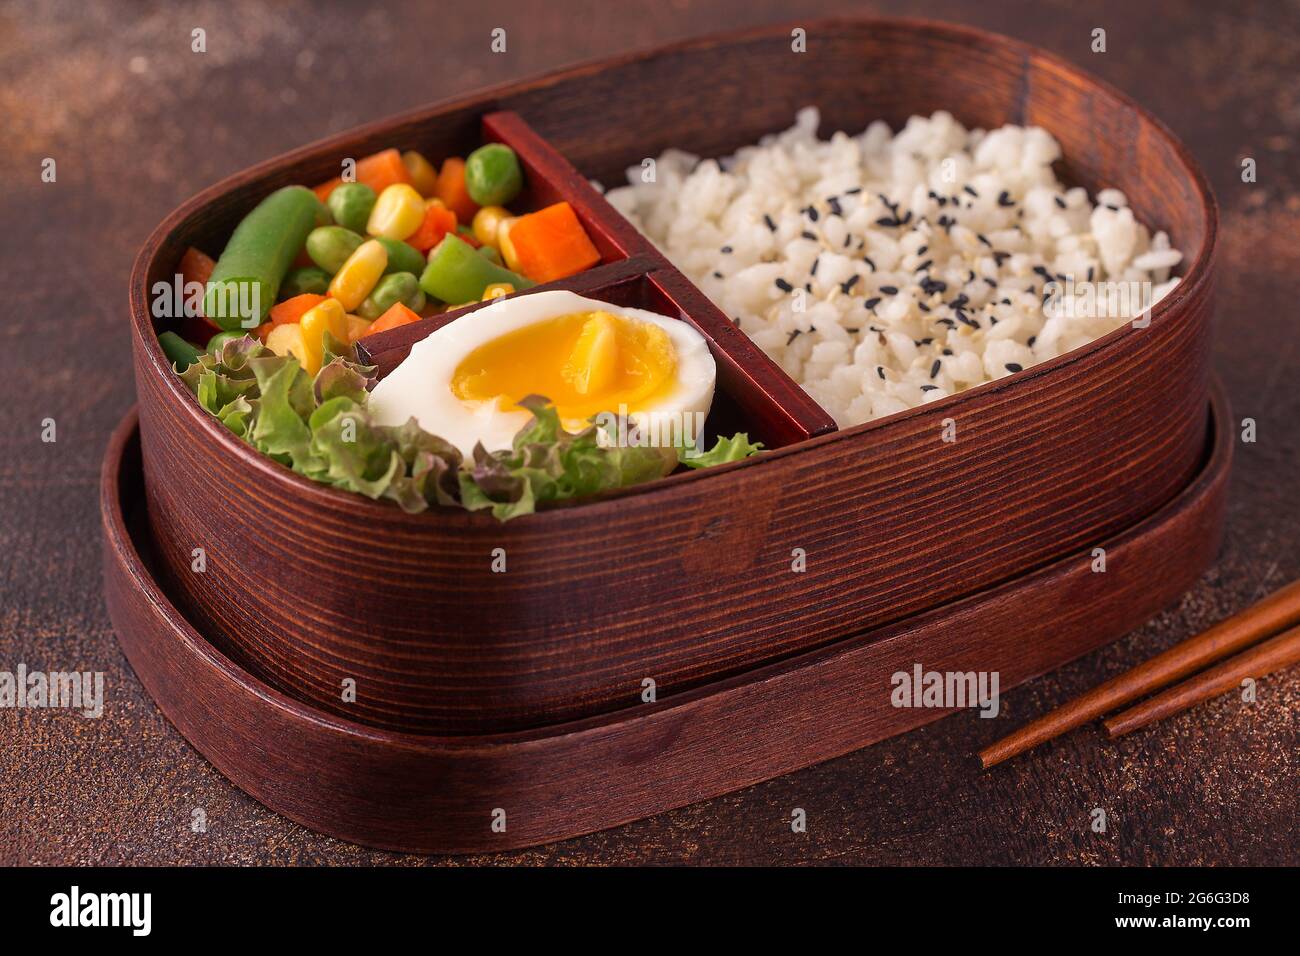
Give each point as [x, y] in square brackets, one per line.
[463, 382]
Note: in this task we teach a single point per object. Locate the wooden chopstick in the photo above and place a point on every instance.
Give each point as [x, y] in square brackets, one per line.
[1279, 610]
[1262, 659]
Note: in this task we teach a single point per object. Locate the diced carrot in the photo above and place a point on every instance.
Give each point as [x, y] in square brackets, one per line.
[196, 266]
[379, 171]
[324, 189]
[551, 244]
[438, 221]
[291, 310]
[398, 315]
[452, 191]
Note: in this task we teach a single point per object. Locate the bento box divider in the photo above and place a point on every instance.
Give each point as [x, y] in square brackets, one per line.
[780, 408]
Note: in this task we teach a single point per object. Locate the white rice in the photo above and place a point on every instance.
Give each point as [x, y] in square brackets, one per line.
[813, 286]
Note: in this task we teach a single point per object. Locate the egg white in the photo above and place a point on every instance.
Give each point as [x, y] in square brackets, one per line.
[420, 387]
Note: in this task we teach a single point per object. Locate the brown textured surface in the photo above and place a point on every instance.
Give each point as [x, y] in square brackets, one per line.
[1217, 785]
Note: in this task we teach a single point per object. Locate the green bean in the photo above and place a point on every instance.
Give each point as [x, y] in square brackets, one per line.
[492, 175]
[330, 246]
[305, 279]
[257, 257]
[402, 256]
[456, 273]
[399, 287]
[178, 351]
[351, 204]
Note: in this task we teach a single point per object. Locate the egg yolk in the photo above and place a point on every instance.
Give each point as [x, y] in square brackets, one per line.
[584, 362]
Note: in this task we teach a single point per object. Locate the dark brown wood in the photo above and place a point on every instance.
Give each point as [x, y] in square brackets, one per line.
[1257, 662]
[439, 794]
[689, 579]
[1279, 610]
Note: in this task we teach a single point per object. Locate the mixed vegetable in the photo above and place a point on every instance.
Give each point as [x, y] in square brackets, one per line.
[396, 242]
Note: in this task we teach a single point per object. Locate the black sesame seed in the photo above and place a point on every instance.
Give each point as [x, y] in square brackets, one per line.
[726, 250]
[984, 239]
[852, 331]
[834, 205]
[816, 263]
[922, 251]
[991, 284]
[970, 192]
[889, 289]
[867, 260]
[889, 222]
[809, 235]
[923, 307]
[1031, 340]
[925, 265]
[784, 286]
[793, 335]
[880, 371]
[947, 351]
[1014, 367]
[1004, 199]
[717, 275]
[853, 192]
[1000, 257]
[929, 388]
[812, 213]
[770, 224]
[934, 369]
[872, 302]
[1059, 202]
[847, 285]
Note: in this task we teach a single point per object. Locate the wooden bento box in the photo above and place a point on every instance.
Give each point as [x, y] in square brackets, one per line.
[687, 580]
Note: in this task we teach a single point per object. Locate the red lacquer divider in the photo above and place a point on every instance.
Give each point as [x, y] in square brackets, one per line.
[783, 411]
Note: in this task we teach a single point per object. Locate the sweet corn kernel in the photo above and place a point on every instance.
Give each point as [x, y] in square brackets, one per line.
[423, 176]
[358, 275]
[287, 340]
[357, 327]
[486, 222]
[506, 247]
[328, 316]
[398, 212]
[497, 289]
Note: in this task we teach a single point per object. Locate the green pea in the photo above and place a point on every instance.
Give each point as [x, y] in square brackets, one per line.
[330, 246]
[351, 204]
[221, 338]
[492, 175]
[304, 280]
[399, 287]
[402, 256]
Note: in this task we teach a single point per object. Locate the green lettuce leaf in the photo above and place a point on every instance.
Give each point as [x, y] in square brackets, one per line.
[725, 449]
[321, 428]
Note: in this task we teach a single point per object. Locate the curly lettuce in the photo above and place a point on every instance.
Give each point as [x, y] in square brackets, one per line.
[320, 427]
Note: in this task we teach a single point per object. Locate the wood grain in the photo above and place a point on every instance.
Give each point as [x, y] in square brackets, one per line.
[689, 579]
[438, 794]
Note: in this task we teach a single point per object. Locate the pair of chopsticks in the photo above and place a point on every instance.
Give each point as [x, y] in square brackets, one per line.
[1276, 613]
